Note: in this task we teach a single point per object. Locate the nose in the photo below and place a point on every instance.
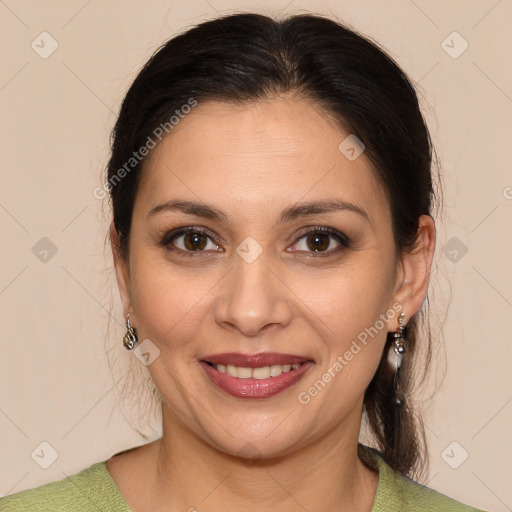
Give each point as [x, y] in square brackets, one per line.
[252, 299]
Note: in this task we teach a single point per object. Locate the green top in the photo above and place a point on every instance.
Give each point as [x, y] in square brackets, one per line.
[93, 489]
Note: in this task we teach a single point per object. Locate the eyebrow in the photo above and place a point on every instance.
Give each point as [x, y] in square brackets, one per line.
[288, 214]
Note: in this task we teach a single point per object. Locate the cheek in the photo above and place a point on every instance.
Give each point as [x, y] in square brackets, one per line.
[350, 299]
[350, 357]
[169, 302]
[350, 314]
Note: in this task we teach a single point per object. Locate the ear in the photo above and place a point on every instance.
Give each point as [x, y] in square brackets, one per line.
[414, 270]
[122, 269]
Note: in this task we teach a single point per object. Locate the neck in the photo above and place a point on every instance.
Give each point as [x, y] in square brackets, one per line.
[324, 476]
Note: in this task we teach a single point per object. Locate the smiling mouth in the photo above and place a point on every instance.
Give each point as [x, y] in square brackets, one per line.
[260, 375]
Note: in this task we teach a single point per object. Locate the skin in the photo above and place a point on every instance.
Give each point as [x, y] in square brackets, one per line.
[252, 162]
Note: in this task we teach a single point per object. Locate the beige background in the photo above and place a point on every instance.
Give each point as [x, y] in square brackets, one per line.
[55, 383]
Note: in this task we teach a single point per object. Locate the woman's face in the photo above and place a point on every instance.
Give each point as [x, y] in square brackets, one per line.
[229, 258]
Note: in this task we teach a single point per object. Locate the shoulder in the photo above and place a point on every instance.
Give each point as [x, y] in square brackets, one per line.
[90, 489]
[398, 493]
[423, 499]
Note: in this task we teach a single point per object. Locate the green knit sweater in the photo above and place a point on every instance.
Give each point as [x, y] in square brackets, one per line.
[93, 489]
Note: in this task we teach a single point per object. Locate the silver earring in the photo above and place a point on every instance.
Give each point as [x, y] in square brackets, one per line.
[130, 338]
[399, 349]
[399, 341]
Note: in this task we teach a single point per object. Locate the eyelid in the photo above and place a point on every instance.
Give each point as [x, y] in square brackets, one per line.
[343, 239]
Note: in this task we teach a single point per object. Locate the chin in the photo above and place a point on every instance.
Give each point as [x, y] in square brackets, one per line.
[256, 435]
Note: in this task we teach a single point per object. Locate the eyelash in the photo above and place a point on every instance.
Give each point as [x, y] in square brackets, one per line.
[343, 240]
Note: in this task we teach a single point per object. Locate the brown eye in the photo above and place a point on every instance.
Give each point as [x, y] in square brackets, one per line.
[321, 240]
[194, 241]
[190, 240]
[318, 241]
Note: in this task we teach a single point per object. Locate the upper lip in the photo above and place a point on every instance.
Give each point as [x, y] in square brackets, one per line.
[254, 360]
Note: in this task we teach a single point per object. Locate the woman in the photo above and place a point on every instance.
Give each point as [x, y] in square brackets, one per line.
[272, 236]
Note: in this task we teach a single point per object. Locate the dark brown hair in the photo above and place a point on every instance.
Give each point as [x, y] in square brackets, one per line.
[248, 57]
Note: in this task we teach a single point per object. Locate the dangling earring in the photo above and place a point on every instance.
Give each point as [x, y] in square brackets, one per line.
[399, 349]
[399, 341]
[130, 338]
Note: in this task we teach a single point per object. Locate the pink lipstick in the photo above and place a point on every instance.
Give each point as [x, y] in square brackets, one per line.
[260, 375]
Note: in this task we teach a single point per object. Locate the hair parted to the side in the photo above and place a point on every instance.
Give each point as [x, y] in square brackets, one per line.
[249, 57]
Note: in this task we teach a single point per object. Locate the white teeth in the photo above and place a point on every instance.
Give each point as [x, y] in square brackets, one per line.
[244, 373]
[276, 370]
[264, 372]
[231, 370]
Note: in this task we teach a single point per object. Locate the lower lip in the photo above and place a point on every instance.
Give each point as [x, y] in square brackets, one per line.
[255, 388]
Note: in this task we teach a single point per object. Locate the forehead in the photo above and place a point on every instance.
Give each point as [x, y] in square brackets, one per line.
[266, 154]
